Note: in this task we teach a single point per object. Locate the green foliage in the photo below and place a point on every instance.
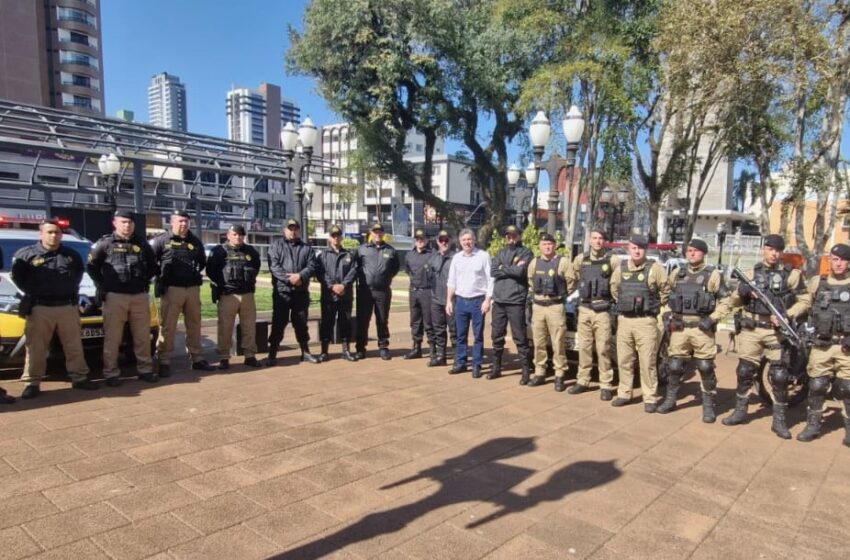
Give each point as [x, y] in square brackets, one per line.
[350, 244]
[530, 238]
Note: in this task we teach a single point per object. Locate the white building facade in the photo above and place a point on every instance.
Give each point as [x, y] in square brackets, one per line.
[167, 102]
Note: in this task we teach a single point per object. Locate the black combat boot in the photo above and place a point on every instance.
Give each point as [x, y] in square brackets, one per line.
[432, 350]
[346, 352]
[439, 358]
[708, 414]
[306, 356]
[271, 360]
[414, 353]
[385, 354]
[526, 373]
[560, 384]
[669, 404]
[813, 419]
[323, 357]
[739, 416]
[779, 427]
[496, 372]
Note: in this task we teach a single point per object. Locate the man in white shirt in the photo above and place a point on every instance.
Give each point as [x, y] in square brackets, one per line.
[470, 289]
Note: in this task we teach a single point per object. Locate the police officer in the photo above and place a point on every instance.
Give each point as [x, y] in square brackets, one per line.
[510, 290]
[180, 259]
[377, 265]
[640, 288]
[292, 264]
[699, 300]
[441, 260]
[550, 280]
[49, 275]
[759, 330]
[233, 268]
[829, 359]
[337, 271]
[416, 265]
[593, 274]
[121, 265]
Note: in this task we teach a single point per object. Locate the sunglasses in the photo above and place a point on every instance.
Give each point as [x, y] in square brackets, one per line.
[335, 235]
[443, 240]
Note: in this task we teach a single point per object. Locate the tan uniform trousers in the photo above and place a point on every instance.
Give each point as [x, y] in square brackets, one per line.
[692, 342]
[176, 301]
[829, 360]
[41, 324]
[229, 306]
[550, 324]
[594, 331]
[638, 337]
[118, 310]
[758, 342]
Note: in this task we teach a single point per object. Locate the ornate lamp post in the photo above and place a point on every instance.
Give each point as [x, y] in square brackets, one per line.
[721, 238]
[530, 178]
[110, 166]
[298, 160]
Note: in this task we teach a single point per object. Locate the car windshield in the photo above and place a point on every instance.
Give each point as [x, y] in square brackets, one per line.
[11, 246]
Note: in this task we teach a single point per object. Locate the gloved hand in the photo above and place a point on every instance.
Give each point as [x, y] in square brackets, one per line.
[845, 344]
[707, 325]
[745, 291]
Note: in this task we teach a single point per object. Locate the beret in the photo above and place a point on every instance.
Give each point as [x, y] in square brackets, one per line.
[775, 241]
[841, 250]
[639, 240]
[699, 245]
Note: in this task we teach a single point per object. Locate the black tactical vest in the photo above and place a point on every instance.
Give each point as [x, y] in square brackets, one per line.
[831, 310]
[594, 279]
[239, 276]
[691, 296]
[125, 268]
[772, 283]
[636, 296]
[547, 281]
[180, 266]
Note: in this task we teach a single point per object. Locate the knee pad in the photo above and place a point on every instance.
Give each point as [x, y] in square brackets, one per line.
[676, 365]
[842, 389]
[705, 367]
[778, 375]
[818, 386]
[746, 369]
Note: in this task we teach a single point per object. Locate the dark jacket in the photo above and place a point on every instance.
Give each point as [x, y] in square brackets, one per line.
[179, 260]
[510, 274]
[417, 266]
[439, 269]
[377, 266]
[286, 258]
[234, 270]
[337, 268]
[122, 266]
[48, 276]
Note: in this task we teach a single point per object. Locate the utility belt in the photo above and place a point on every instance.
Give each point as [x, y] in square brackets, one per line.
[549, 302]
[756, 321]
[636, 314]
[679, 323]
[597, 305]
[50, 302]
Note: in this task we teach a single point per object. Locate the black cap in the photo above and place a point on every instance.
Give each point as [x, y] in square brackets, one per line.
[237, 229]
[123, 214]
[512, 229]
[841, 250]
[775, 241]
[336, 230]
[181, 213]
[293, 222]
[639, 240]
[547, 237]
[419, 234]
[377, 227]
[699, 245]
[443, 234]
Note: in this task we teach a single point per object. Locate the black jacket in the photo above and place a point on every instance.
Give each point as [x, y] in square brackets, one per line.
[122, 266]
[234, 270]
[51, 276]
[417, 266]
[179, 260]
[377, 266]
[439, 269]
[337, 268]
[286, 258]
[510, 274]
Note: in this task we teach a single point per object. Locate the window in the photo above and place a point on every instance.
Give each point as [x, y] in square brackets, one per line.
[73, 14]
[436, 171]
[261, 210]
[262, 186]
[80, 38]
[73, 57]
[82, 81]
[77, 101]
[278, 210]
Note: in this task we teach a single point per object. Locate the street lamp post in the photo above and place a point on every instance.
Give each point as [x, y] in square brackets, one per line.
[298, 160]
[530, 178]
[617, 204]
[721, 238]
[109, 166]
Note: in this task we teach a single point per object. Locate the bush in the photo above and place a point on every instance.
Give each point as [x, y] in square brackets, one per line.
[530, 238]
[350, 244]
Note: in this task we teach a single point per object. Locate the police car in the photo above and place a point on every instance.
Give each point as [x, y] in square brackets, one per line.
[12, 327]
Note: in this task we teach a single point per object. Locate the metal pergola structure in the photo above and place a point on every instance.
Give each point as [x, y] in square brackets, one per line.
[54, 153]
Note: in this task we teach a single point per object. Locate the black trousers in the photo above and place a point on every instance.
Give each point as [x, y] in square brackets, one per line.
[369, 300]
[420, 314]
[289, 307]
[335, 315]
[439, 322]
[515, 315]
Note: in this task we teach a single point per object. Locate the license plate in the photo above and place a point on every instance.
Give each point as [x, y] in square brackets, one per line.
[92, 332]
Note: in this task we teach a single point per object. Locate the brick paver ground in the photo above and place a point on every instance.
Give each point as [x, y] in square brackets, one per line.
[396, 460]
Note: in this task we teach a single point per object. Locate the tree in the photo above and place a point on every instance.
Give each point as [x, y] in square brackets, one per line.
[440, 67]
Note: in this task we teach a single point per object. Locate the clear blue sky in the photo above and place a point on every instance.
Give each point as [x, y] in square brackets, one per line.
[211, 46]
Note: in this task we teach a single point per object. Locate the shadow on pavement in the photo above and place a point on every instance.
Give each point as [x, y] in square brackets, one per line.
[479, 475]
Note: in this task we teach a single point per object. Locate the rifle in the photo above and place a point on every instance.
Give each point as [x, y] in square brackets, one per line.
[784, 325]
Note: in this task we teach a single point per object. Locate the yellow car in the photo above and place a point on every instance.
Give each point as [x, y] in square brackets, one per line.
[12, 333]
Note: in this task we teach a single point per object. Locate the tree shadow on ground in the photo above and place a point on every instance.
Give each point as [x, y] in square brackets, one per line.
[479, 475]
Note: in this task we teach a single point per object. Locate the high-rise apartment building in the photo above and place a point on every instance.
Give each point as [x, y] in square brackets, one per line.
[167, 102]
[50, 54]
[256, 116]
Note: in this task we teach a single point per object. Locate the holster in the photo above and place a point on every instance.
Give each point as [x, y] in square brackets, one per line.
[25, 306]
[159, 288]
[215, 293]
